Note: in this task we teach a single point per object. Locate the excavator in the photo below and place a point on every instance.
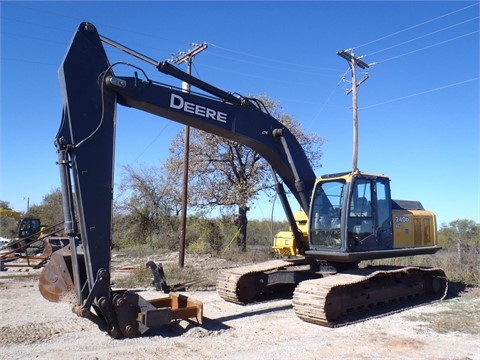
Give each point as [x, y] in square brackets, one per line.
[26, 227]
[33, 242]
[346, 218]
[27, 232]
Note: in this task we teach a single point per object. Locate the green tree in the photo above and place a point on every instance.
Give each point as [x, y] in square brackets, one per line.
[461, 260]
[50, 210]
[231, 175]
[462, 236]
[204, 235]
[8, 224]
[5, 205]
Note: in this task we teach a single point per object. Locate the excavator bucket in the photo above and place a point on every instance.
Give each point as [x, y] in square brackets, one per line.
[56, 281]
[130, 315]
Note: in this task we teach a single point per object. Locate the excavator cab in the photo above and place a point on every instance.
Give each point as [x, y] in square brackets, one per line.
[28, 231]
[354, 219]
[28, 227]
[351, 212]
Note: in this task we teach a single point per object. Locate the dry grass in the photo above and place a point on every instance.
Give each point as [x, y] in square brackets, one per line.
[137, 251]
[465, 271]
[461, 315]
[142, 277]
[252, 255]
[197, 266]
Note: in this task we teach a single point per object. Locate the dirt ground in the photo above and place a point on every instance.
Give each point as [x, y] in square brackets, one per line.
[33, 328]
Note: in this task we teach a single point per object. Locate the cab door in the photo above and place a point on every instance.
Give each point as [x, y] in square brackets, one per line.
[369, 221]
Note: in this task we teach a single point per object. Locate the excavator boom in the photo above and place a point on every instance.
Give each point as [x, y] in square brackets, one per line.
[85, 147]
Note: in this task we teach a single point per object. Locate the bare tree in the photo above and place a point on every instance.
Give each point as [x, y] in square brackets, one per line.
[228, 174]
[148, 206]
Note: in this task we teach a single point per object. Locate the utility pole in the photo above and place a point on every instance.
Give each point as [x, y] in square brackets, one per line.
[28, 202]
[354, 62]
[188, 58]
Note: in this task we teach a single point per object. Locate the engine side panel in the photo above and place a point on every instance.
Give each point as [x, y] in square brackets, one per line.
[413, 228]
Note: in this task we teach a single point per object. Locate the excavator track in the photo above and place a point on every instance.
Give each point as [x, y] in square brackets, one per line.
[237, 285]
[364, 293]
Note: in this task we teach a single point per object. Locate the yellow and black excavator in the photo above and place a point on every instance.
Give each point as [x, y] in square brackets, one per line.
[346, 217]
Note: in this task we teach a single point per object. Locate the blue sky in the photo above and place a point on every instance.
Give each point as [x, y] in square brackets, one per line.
[419, 112]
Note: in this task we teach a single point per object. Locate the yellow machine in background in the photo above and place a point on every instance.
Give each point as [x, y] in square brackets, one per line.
[5, 213]
[284, 241]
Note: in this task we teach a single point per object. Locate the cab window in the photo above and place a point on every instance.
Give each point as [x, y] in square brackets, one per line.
[326, 211]
[360, 222]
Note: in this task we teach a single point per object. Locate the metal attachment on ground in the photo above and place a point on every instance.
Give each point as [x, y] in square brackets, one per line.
[160, 281]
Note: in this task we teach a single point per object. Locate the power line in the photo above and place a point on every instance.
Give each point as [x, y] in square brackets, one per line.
[271, 59]
[291, 66]
[329, 97]
[33, 38]
[415, 26]
[421, 93]
[98, 24]
[43, 25]
[152, 142]
[422, 36]
[427, 47]
[29, 61]
[311, 78]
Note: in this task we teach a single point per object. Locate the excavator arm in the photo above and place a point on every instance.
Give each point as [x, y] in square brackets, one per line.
[85, 146]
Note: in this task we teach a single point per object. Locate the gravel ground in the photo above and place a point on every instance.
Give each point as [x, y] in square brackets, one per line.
[31, 327]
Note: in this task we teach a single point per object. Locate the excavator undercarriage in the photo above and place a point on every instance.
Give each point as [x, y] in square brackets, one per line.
[325, 297]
